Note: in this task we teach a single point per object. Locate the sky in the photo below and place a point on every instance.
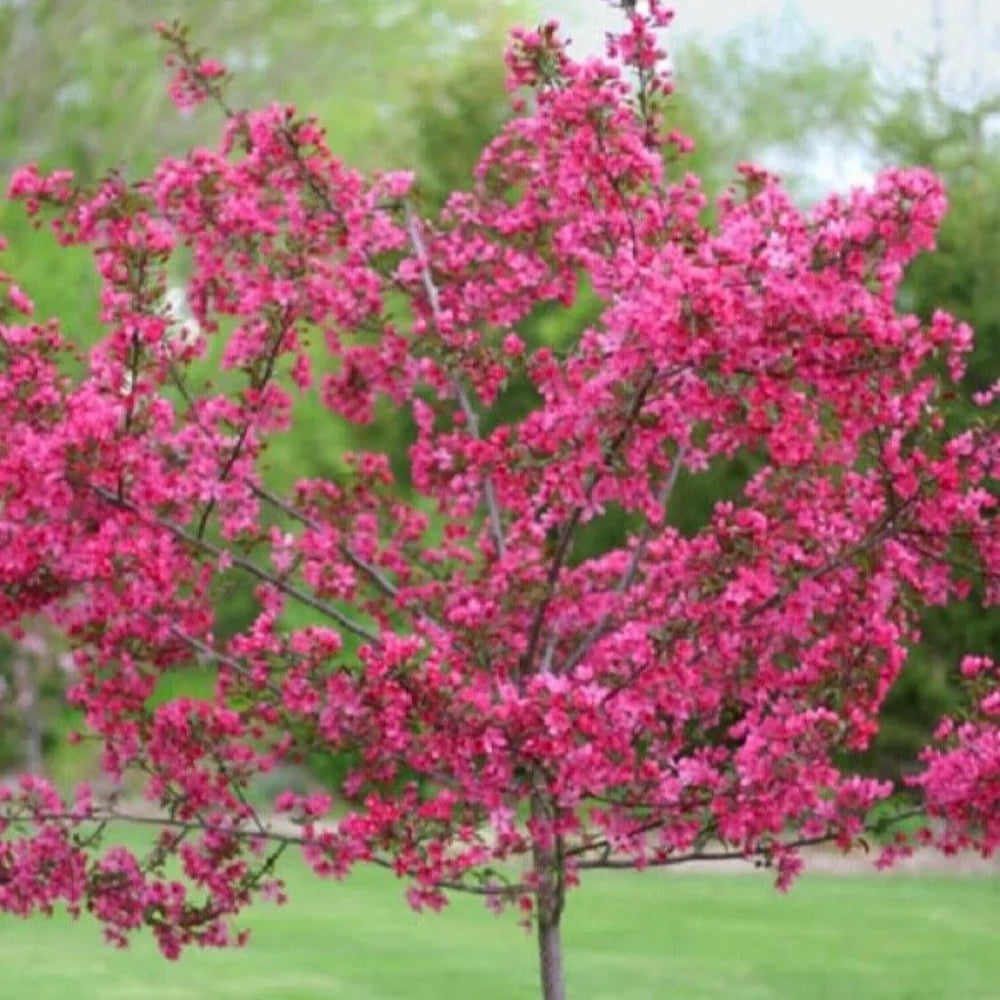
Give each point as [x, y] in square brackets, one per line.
[899, 33]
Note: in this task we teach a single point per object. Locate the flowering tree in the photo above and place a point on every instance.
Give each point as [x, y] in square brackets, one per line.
[514, 714]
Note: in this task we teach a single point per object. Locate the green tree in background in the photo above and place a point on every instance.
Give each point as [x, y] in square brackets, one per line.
[359, 65]
[920, 125]
[68, 69]
[777, 97]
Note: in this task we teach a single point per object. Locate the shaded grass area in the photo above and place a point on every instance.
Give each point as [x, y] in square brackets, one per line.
[628, 937]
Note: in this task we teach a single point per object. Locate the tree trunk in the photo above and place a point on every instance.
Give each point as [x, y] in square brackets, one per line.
[549, 898]
[550, 959]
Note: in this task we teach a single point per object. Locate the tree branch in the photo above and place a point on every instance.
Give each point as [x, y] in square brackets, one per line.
[817, 572]
[471, 419]
[569, 529]
[754, 857]
[628, 577]
[381, 581]
[203, 545]
[244, 432]
[210, 653]
[269, 834]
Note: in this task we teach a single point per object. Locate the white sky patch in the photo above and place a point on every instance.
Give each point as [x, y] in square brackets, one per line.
[184, 328]
[899, 32]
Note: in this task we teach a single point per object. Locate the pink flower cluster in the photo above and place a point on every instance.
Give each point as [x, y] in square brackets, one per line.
[677, 696]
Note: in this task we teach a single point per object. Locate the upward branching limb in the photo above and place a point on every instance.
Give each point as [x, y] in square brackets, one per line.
[599, 630]
[379, 579]
[568, 530]
[462, 394]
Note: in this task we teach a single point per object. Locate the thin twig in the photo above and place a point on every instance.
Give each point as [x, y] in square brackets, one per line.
[471, 418]
[372, 572]
[883, 532]
[237, 450]
[210, 653]
[381, 581]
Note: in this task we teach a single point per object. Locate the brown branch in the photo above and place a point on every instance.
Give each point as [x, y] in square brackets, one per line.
[569, 529]
[210, 653]
[257, 384]
[787, 591]
[628, 577]
[269, 834]
[381, 581]
[471, 419]
[754, 857]
[372, 572]
[202, 545]
[883, 532]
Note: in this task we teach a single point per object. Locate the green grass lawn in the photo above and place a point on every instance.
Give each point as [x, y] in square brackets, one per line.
[628, 937]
